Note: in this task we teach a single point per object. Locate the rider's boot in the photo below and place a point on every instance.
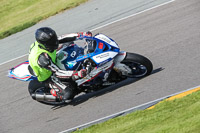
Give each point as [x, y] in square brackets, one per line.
[62, 91]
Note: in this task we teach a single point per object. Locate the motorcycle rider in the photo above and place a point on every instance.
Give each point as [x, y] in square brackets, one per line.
[42, 60]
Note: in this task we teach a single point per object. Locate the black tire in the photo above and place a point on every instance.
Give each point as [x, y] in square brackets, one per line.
[140, 65]
[34, 85]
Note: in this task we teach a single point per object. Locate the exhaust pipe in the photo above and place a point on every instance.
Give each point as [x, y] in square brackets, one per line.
[44, 97]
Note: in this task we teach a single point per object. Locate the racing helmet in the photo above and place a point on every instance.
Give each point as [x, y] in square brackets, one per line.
[47, 37]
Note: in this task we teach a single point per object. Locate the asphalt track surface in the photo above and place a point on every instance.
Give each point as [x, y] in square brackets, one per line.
[85, 17]
[168, 35]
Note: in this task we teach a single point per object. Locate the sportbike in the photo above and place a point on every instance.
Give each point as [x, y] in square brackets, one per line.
[101, 57]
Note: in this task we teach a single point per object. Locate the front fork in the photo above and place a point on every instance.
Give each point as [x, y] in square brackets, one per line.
[120, 67]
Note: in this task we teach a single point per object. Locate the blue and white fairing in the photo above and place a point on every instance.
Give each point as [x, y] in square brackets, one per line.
[106, 52]
[66, 57]
[70, 57]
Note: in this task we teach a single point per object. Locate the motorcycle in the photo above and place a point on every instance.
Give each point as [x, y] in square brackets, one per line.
[101, 57]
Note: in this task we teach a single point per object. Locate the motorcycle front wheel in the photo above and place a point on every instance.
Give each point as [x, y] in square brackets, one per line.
[140, 65]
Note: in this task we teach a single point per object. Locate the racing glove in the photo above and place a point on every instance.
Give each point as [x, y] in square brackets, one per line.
[79, 74]
[82, 34]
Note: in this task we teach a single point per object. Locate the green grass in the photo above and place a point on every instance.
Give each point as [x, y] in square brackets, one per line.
[16, 15]
[177, 116]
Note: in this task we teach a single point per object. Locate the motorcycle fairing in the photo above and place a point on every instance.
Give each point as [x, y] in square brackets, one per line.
[21, 72]
[107, 40]
[106, 49]
[67, 56]
[97, 72]
[72, 56]
[104, 56]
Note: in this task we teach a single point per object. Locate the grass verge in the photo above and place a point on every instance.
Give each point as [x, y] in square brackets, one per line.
[176, 116]
[17, 15]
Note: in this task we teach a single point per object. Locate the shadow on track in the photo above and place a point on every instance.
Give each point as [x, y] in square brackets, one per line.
[84, 97]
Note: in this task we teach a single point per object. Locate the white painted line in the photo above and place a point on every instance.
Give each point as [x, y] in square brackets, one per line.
[130, 110]
[13, 59]
[104, 25]
[133, 15]
[107, 117]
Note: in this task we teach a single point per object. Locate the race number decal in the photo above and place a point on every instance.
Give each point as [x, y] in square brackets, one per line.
[73, 54]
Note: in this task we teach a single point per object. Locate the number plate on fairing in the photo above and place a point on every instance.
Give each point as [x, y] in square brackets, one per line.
[66, 57]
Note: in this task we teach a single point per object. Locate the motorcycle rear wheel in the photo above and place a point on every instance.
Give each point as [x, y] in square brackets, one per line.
[140, 65]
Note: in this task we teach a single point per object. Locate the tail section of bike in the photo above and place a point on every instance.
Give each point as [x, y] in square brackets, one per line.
[21, 72]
